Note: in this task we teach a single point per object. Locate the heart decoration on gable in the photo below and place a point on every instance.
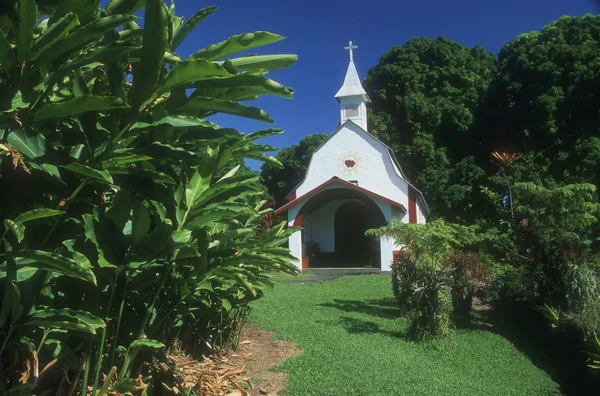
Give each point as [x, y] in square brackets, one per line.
[349, 163]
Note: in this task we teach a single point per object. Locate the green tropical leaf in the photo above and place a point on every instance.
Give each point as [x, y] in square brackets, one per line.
[78, 105]
[146, 343]
[175, 121]
[11, 304]
[57, 263]
[181, 236]
[86, 171]
[263, 133]
[140, 223]
[191, 71]
[156, 241]
[6, 54]
[18, 229]
[125, 159]
[106, 54]
[120, 210]
[30, 146]
[190, 25]
[164, 151]
[264, 158]
[157, 177]
[35, 214]
[66, 319]
[52, 34]
[237, 43]
[246, 283]
[147, 74]
[198, 183]
[267, 62]
[211, 105]
[78, 37]
[124, 6]
[24, 20]
[85, 10]
[241, 87]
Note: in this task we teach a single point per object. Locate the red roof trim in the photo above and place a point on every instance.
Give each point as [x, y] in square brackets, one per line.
[344, 183]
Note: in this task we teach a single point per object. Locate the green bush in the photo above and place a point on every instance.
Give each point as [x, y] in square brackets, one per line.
[425, 272]
[126, 227]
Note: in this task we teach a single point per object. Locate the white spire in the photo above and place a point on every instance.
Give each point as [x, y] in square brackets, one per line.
[352, 96]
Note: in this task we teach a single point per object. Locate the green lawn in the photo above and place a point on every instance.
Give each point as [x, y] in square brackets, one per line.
[353, 344]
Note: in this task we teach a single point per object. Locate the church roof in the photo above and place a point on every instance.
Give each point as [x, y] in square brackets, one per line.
[343, 183]
[352, 85]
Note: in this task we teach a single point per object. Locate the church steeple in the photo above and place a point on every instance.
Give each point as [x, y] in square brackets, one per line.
[352, 96]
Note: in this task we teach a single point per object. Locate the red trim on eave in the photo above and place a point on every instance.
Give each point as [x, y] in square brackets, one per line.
[336, 179]
[292, 196]
[412, 206]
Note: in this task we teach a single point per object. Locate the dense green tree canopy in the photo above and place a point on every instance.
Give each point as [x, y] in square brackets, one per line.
[295, 160]
[432, 86]
[426, 98]
[544, 97]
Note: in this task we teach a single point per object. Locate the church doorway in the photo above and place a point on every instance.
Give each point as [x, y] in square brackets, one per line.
[351, 221]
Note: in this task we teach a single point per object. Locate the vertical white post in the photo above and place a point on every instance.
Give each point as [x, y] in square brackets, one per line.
[295, 242]
[387, 254]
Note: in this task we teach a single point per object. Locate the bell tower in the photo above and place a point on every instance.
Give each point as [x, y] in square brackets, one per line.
[352, 96]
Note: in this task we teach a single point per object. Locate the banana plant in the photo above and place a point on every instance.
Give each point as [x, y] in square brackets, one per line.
[123, 220]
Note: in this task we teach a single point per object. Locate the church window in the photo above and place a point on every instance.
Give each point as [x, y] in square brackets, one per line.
[351, 110]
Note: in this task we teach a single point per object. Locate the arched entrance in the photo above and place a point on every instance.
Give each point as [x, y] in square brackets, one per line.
[336, 220]
[351, 221]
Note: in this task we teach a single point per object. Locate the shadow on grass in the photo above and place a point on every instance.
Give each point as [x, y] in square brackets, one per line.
[560, 354]
[383, 308]
[359, 326]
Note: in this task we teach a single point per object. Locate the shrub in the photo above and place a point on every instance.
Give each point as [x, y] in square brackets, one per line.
[422, 276]
[404, 279]
[469, 278]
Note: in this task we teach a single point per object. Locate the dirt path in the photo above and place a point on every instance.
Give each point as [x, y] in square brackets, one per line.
[259, 352]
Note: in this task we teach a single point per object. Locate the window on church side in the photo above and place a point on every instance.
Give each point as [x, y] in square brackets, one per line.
[351, 110]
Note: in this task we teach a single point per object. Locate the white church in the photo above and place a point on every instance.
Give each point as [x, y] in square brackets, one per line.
[353, 183]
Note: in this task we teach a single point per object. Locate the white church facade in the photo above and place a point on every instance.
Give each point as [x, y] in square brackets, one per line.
[353, 183]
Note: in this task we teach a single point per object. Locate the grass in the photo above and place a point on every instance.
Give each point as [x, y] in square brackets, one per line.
[353, 342]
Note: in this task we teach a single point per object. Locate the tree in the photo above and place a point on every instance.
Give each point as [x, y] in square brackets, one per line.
[426, 97]
[295, 159]
[133, 230]
[544, 98]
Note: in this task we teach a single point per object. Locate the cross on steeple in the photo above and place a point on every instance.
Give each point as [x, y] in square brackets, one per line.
[351, 47]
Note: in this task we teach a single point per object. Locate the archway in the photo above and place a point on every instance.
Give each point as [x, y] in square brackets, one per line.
[339, 233]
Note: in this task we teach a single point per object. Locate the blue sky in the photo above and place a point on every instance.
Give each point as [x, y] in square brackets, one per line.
[318, 31]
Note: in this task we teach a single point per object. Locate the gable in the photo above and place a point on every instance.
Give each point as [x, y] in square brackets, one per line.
[352, 154]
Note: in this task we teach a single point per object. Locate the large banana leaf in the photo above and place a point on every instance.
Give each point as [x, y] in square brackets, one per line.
[189, 25]
[146, 75]
[237, 43]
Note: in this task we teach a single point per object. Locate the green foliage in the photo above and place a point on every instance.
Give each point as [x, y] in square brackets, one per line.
[426, 99]
[558, 112]
[281, 180]
[128, 220]
[430, 271]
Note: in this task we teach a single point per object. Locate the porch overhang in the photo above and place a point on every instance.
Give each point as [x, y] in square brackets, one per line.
[343, 183]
